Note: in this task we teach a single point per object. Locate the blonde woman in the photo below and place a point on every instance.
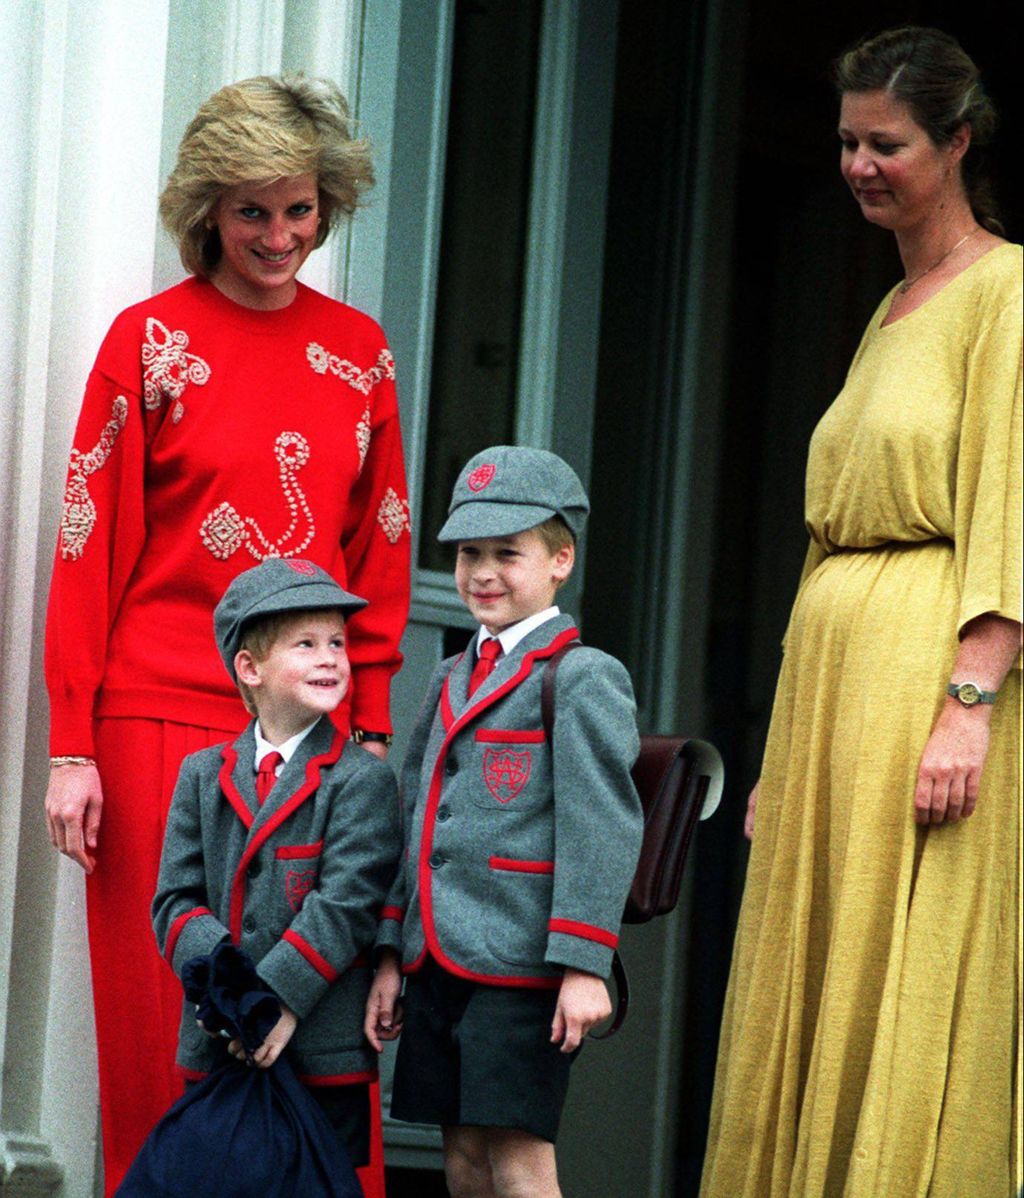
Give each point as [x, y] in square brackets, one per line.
[235, 417]
[869, 1045]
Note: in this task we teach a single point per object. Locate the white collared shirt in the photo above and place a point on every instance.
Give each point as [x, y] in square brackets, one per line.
[287, 750]
[509, 637]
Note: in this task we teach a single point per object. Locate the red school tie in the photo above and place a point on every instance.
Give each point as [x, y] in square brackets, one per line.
[267, 776]
[487, 655]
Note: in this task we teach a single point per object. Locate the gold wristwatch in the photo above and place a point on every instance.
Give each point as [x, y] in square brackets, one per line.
[970, 693]
[361, 736]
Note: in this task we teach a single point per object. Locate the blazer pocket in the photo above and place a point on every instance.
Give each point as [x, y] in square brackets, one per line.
[297, 871]
[512, 766]
[517, 913]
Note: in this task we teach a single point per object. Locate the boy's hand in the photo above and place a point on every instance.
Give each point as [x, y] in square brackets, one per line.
[383, 1006]
[275, 1043]
[582, 1002]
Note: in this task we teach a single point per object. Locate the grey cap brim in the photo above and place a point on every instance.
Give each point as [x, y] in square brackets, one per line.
[477, 519]
[304, 596]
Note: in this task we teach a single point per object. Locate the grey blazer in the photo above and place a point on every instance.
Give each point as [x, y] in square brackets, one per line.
[297, 883]
[519, 856]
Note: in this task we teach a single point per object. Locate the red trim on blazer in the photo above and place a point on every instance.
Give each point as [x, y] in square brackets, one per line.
[585, 931]
[179, 926]
[522, 867]
[265, 831]
[486, 979]
[447, 714]
[291, 852]
[471, 712]
[511, 736]
[307, 1079]
[320, 964]
[337, 1079]
[395, 913]
[229, 789]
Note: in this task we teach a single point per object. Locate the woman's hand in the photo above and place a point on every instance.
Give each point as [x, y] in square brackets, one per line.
[951, 765]
[376, 747]
[748, 823]
[74, 803]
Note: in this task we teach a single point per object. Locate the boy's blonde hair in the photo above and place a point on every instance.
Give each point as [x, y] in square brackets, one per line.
[555, 534]
[261, 634]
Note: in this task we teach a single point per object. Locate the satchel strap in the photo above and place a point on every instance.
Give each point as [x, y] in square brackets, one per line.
[547, 689]
[547, 717]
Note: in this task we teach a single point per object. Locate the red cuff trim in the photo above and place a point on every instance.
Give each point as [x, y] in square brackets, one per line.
[178, 927]
[395, 913]
[322, 966]
[585, 931]
[522, 867]
[290, 852]
[338, 1079]
[511, 736]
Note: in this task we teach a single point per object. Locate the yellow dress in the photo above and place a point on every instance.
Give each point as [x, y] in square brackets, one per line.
[870, 1043]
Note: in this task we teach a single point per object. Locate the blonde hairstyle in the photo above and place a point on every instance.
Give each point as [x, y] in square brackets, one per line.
[258, 131]
[260, 634]
[555, 534]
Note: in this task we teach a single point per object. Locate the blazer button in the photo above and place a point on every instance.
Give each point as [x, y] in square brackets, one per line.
[437, 860]
[254, 868]
[451, 766]
[444, 813]
[249, 924]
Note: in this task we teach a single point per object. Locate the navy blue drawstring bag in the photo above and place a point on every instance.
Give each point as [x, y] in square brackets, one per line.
[243, 1132]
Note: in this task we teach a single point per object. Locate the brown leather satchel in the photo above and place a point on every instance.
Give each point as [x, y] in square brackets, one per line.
[679, 781]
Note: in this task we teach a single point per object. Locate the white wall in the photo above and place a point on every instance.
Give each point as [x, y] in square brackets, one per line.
[93, 101]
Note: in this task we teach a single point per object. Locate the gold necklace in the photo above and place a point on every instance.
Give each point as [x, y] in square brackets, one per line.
[906, 285]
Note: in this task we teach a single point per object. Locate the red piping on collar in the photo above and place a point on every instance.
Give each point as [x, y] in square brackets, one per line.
[259, 838]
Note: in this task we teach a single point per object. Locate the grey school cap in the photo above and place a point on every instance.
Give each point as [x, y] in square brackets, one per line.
[509, 488]
[280, 584]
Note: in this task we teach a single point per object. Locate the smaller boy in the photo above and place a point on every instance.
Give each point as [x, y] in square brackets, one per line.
[286, 842]
[519, 852]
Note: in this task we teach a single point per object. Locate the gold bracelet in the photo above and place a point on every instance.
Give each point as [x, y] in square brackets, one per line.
[59, 761]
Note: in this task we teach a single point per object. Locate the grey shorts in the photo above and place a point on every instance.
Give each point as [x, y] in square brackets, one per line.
[472, 1055]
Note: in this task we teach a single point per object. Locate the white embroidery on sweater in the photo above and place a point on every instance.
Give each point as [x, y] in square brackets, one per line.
[224, 531]
[364, 381]
[78, 515]
[167, 368]
[363, 431]
[393, 515]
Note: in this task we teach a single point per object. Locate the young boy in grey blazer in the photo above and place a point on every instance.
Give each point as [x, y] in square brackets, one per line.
[286, 842]
[519, 852]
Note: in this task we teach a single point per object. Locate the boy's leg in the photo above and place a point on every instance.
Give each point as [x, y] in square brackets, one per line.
[521, 1165]
[467, 1163]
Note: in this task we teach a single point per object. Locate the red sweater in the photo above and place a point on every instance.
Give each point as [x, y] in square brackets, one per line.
[211, 437]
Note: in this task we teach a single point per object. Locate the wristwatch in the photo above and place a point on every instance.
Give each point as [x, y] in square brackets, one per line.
[360, 736]
[970, 693]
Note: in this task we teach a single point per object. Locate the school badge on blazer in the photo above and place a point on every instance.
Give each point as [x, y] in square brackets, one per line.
[297, 884]
[506, 772]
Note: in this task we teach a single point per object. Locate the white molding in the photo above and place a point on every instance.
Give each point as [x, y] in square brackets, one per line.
[27, 1169]
[253, 38]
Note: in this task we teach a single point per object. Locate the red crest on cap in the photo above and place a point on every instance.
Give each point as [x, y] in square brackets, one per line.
[480, 477]
[300, 566]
